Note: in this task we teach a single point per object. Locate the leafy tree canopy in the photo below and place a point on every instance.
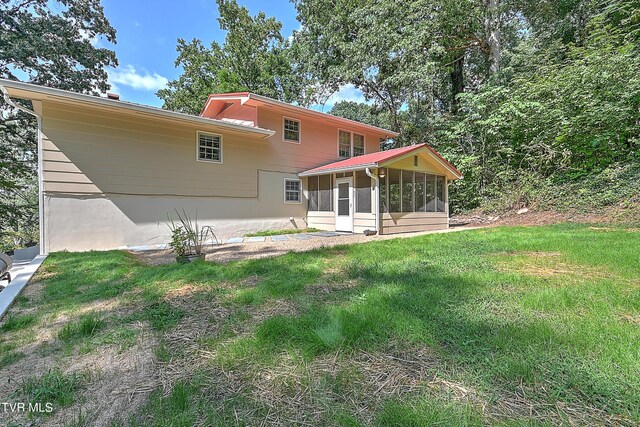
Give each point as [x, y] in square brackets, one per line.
[255, 57]
[49, 43]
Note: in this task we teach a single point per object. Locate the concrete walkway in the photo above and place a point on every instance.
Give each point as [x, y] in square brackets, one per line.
[285, 237]
[238, 248]
[21, 273]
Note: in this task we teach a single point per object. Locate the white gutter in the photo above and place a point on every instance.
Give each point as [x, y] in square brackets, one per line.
[9, 101]
[338, 170]
[377, 213]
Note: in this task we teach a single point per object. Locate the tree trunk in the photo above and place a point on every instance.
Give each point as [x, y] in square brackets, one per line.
[492, 28]
[457, 82]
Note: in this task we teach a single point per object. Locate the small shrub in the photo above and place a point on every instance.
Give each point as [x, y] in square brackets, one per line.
[187, 236]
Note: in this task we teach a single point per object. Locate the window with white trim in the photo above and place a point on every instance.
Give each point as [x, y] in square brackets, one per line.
[358, 144]
[350, 144]
[291, 130]
[344, 143]
[209, 147]
[292, 191]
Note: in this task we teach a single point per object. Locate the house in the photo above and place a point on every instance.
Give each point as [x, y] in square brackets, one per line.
[111, 171]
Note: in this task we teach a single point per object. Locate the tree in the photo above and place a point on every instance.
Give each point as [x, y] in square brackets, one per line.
[255, 57]
[52, 44]
[360, 112]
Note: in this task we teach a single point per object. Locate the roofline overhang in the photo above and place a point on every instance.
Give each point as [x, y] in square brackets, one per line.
[434, 154]
[338, 170]
[388, 162]
[45, 93]
[246, 97]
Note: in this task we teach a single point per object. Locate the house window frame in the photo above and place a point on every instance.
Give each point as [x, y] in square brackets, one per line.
[284, 195]
[351, 145]
[284, 138]
[200, 132]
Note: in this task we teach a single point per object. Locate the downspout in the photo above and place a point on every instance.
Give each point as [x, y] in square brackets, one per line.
[9, 101]
[377, 212]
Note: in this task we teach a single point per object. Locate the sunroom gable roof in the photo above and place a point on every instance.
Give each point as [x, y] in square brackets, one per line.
[381, 159]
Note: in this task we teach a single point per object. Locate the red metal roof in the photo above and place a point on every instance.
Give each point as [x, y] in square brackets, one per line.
[374, 159]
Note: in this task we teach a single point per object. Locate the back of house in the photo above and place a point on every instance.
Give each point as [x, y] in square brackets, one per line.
[112, 171]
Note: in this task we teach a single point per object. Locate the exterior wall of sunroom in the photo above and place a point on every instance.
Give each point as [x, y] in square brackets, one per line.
[406, 201]
[320, 194]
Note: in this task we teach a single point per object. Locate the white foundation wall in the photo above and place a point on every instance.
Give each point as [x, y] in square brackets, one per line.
[101, 222]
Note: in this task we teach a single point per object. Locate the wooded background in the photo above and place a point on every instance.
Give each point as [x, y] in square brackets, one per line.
[537, 102]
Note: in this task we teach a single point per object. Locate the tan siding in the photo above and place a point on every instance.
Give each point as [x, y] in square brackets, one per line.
[413, 221]
[122, 155]
[321, 220]
[413, 228]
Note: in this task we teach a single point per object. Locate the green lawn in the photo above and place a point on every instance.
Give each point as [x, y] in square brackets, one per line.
[508, 326]
[281, 232]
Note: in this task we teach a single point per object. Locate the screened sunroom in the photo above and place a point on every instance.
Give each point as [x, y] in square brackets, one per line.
[394, 191]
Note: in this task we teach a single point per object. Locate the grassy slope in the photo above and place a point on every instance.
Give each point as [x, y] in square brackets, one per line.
[507, 325]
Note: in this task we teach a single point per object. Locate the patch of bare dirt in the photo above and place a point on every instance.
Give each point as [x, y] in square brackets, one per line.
[293, 392]
[116, 382]
[241, 251]
[545, 264]
[612, 215]
[631, 318]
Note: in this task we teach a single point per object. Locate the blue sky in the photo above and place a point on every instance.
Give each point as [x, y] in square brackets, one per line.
[147, 32]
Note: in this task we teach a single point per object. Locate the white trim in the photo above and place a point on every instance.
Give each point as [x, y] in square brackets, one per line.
[350, 181]
[375, 201]
[292, 141]
[340, 169]
[198, 133]
[284, 194]
[385, 163]
[124, 105]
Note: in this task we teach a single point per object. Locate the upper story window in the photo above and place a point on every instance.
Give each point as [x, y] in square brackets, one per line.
[344, 144]
[292, 191]
[358, 144]
[291, 131]
[350, 144]
[209, 147]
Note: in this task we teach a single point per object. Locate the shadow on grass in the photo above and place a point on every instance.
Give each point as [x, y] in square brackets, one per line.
[437, 291]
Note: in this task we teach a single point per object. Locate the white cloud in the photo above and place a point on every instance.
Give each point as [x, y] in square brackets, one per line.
[84, 35]
[346, 92]
[139, 80]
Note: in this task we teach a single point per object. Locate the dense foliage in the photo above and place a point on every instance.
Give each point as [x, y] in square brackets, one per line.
[255, 57]
[49, 43]
[514, 92]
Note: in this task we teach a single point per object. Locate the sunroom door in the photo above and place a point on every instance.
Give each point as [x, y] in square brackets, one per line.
[344, 204]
